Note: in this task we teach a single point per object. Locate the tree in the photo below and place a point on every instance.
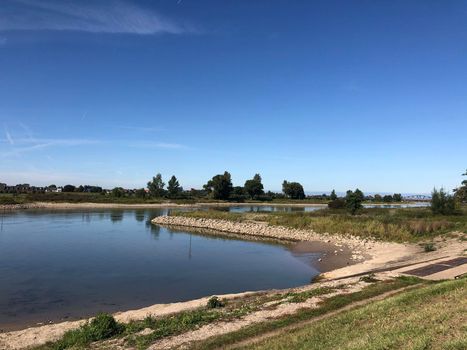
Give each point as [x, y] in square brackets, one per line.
[387, 198]
[397, 197]
[378, 198]
[173, 187]
[156, 186]
[220, 186]
[442, 203]
[353, 200]
[140, 193]
[68, 188]
[333, 195]
[293, 190]
[238, 194]
[254, 187]
[360, 195]
[461, 192]
[118, 192]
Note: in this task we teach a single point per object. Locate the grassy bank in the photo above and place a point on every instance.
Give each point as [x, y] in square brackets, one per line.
[398, 225]
[411, 320]
[104, 327]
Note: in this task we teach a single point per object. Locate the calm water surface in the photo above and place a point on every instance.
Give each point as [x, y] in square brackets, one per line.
[70, 264]
[291, 209]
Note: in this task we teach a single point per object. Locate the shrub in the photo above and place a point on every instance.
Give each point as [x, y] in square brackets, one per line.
[214, 303]
[429, 247]
[337, 204]
[103, 326]
[353, 201]
[370, 278]
[442, 203]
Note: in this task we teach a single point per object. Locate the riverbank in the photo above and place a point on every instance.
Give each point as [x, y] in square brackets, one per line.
[200, 322]
[365, 254]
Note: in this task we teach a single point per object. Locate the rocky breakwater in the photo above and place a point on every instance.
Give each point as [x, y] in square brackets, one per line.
[261, 230]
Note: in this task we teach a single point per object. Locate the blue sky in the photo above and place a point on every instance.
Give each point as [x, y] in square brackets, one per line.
[333, 94]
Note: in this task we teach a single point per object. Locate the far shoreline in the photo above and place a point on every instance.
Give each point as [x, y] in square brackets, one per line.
[110, 205]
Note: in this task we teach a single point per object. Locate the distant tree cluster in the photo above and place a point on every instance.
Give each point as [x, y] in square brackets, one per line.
[220, 187]
[156, 188]
[396, 197]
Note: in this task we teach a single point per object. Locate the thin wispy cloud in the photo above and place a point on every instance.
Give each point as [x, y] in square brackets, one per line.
[9, 138]
[94, 17]
[21, 146]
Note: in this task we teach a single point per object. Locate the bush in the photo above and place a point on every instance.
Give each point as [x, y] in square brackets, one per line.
[214, 303]
[429, 247]
[442, 203]
[103, 326]
[370, 278]
[337, 204]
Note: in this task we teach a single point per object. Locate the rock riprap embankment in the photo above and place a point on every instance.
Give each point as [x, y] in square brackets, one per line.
[265, 231]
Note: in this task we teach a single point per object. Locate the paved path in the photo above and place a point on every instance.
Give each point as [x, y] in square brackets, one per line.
[444, 268]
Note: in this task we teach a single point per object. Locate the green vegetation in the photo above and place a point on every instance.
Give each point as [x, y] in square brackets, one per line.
[174, 189]
[411, 320]
[461, 192]
[214, 303]
[442, 203]
[293, 190]
[354, 200]
[399, 225]
[328, 305]
[254, 187]
[156, 186]
[220, 186]
[102, 327]
[300, 297]
[370, 278]
[105, 327]
[429, 247]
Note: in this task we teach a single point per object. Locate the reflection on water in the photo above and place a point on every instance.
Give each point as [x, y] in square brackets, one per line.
[69, 264]
[292, 209]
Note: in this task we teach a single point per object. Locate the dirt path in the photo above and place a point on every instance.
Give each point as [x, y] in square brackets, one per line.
[277, 309]
[295, 326]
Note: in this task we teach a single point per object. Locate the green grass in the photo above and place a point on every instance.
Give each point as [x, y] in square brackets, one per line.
[432, 317]
[328, 305]
[300, 297]
[399, 225]
[8, 199]
[102, 327]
